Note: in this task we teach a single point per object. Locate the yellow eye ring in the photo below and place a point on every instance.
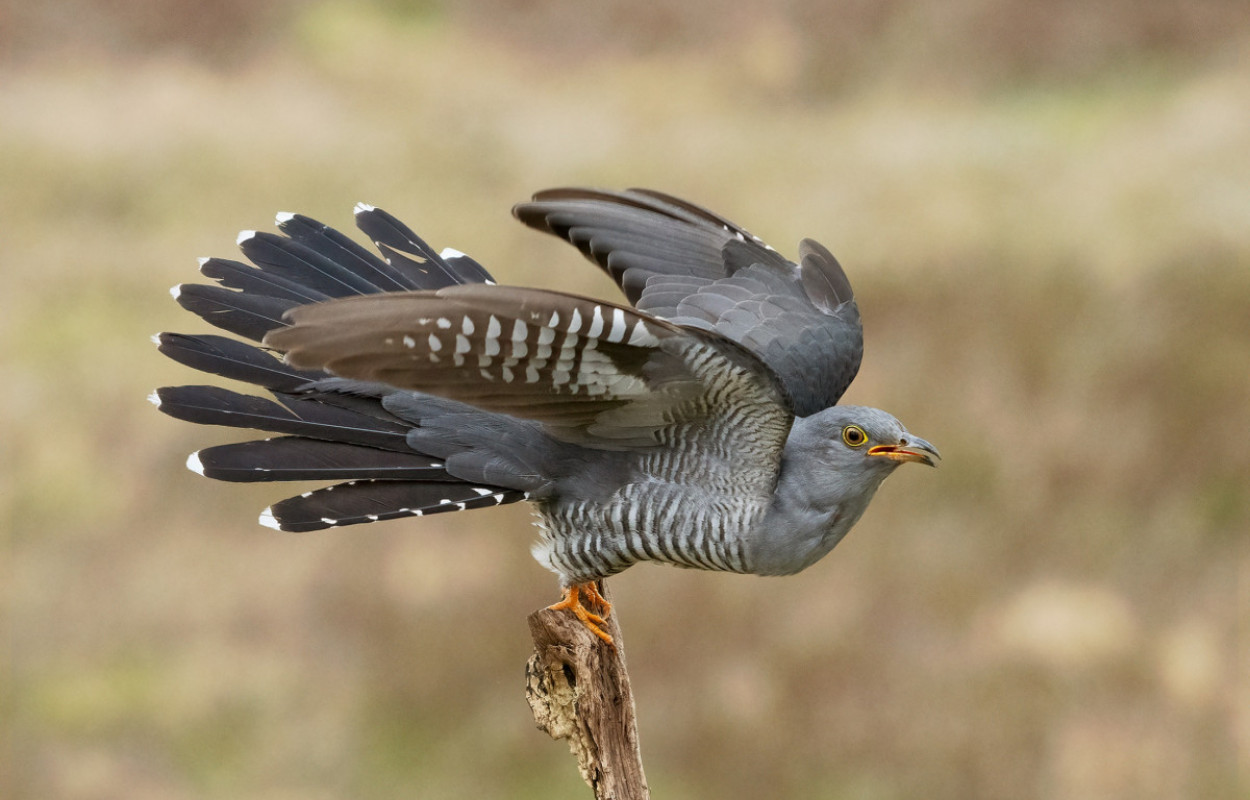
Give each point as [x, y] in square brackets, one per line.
[854, 436]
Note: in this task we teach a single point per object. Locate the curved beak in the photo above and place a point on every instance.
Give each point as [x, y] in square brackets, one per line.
[913, 448]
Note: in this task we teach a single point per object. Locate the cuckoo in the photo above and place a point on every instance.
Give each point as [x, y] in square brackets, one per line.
[697, 426]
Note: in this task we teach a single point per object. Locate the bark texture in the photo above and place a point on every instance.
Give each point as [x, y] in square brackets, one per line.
[578, 690]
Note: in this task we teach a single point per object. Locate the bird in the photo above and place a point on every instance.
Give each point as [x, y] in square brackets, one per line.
[695, 425]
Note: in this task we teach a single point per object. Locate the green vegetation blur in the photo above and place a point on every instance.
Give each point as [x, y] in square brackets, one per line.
[1044, 209]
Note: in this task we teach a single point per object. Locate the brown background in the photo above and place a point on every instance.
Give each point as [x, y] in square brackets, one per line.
[1044, 208]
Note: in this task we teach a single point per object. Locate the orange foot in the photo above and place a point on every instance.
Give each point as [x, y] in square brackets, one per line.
[571, 600]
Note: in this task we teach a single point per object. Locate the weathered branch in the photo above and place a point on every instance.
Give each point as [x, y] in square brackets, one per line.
[578, 689]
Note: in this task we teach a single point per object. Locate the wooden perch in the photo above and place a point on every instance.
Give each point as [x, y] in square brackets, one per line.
[578, 689]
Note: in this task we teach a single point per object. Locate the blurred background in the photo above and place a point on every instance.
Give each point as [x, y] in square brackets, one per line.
[1044, 209]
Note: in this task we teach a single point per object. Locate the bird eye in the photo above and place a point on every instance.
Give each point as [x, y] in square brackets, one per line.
[854, 435]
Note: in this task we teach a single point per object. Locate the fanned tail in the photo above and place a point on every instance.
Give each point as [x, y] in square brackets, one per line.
[332, 429]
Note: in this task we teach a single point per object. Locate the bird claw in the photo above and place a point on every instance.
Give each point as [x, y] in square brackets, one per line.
[572, 601]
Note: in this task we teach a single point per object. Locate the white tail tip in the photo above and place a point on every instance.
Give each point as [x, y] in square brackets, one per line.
[194, 464]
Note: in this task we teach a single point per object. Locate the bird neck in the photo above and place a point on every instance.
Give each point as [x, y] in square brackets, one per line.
[816, 503]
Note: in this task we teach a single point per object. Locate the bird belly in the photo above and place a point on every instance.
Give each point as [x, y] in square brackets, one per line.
[582, 541]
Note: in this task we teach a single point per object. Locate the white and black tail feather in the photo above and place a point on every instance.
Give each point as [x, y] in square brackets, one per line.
[430, 269]
[239, 361]
[335, 429]
[296, 458]
[342, 249]
[357, 502]
[241, 313]
[287, 258]
[258, 283]
[298, 416]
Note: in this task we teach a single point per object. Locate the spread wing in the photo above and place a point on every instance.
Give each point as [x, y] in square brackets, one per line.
[595, 374]
[696, 269]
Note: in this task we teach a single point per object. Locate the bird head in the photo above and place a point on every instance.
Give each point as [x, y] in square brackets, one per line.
[861, 440]
[833, 463]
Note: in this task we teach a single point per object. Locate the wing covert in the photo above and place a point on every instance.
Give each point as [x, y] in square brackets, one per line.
[596, 374]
